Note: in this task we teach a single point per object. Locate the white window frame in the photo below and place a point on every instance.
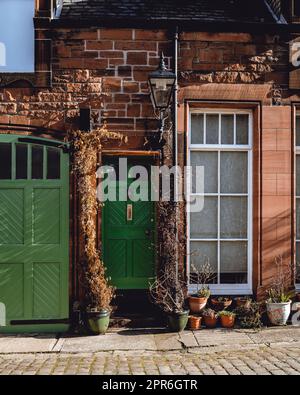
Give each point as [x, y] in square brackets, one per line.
[297, 153]
[224, 289]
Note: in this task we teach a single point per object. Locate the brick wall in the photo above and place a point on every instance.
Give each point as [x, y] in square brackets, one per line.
[117, 62]
[216, 66]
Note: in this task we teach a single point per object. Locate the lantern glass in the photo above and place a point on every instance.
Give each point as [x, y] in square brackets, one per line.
[161, 82]
[161, 92]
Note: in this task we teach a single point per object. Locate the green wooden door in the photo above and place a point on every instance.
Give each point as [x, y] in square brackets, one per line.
[128, 240]
[34, 234]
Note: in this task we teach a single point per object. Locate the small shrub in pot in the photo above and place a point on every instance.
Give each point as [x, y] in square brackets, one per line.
[227, 318]
[201, 277]
[279, 296]
[210, 318]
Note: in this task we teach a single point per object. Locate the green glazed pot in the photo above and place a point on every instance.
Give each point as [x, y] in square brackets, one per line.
[99, 322]
[177, 322]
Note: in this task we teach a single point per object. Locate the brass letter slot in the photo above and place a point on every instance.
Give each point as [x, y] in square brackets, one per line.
[129, 212]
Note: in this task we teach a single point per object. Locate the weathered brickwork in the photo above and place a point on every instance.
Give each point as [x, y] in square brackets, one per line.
[107, 69]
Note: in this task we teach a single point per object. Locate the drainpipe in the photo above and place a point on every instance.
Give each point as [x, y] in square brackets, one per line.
[175, 139]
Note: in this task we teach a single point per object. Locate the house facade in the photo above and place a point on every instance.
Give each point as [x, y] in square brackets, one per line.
[235, 113]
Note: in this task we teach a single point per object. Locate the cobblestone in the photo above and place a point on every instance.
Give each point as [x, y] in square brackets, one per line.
[264, 361]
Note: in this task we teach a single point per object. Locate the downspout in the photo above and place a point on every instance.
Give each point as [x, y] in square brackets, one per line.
[175, 139]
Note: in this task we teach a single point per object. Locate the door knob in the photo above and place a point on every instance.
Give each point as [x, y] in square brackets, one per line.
[148, 232]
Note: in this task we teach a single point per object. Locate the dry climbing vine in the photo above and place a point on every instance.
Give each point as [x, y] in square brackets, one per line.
[86, 147]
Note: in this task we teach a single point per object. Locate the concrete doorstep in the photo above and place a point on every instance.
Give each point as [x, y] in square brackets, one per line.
[155, 340]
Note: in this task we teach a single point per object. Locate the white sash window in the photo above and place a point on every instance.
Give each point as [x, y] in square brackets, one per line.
[221, 143]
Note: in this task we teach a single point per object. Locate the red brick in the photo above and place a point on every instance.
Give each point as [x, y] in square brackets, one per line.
[111, 84]
[130, 87]
[66, 63]
[95, 63]
[84, 35]
[116, 106]
[133, 110]
[136, 45]
[150, 34]
[124, 71]
[215, 37]
[99, 45]
[121, 98]
[116, 34]
[137, 58]
[111, 54]
[211, 56]
[116, 62]
[147, 110]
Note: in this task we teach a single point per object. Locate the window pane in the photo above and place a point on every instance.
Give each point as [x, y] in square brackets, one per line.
[209, 160]
[298, 262]
[296, 8]
[37, 162]
[5, 161]
[201, 253]
[234, 172]
[197, 128]
[227, 129]
[204, 224]
[233, 216]
[21, 161]
[242, 129]
[233, 264]
[298, 131]
[212, 129]
[53, 163]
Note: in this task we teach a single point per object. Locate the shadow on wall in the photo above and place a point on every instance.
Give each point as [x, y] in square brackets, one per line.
[276, 244]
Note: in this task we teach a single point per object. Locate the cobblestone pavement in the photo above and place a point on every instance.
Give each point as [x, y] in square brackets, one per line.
[258, 360]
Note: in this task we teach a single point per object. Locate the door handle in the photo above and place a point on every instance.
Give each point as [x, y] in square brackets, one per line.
[148, 233]
[129, 212]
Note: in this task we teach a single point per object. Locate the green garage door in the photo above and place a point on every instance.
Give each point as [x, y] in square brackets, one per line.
[34, 235]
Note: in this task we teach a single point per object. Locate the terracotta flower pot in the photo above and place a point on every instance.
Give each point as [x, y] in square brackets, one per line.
[197, 304]
[195, 322]
[218, 306]
[210, 322]
[227, 321]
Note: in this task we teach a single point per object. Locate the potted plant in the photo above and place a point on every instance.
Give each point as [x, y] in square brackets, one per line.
[167, 292]
[227, 318]
[221, 303]
[250, 317]
[98, 293]
[210, 318]
[195, 322]
[279, 297]
[202, 277]
[243, 301]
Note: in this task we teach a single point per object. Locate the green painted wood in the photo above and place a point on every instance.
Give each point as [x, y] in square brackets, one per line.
[34, 244]
[129, 246]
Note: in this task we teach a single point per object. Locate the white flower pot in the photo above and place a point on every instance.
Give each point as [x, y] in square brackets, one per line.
[278, 313]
